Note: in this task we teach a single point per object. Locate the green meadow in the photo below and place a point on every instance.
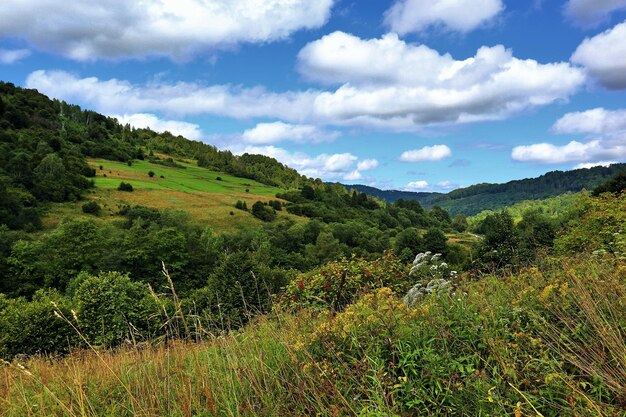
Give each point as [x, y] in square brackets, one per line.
[189, 179]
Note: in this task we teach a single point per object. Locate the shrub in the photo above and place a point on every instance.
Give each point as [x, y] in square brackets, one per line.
[91, 207]
[34, 328]
[219, 178]
[276, 205]
[124, 186]
[151, 174]
[260, 211]
[339, 283]
[112, 309]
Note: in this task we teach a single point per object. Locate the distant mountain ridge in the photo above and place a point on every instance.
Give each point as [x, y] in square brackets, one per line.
[476, 198]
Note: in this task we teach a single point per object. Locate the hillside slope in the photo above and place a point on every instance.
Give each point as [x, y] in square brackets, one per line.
[45, 146]
[476, 198]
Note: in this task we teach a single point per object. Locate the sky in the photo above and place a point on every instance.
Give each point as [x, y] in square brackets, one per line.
[417, 95]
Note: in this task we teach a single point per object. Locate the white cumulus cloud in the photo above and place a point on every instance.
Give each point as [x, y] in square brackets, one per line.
[427, 153]
[143, 120]
[140, 28]
[416, 186]
[588, 165]
[378, 87]
[367, 164]
[268, 133]
[406, 16]
[388, 82]
[604, 57]
[598, 121]
[11, 56]
[183, 98]
[592, 12]
[605, 140]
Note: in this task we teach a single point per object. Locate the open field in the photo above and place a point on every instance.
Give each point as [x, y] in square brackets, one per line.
[193, 189]
[189, 179]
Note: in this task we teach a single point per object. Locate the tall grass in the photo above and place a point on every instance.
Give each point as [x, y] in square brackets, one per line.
[547, 341]
[257, 372]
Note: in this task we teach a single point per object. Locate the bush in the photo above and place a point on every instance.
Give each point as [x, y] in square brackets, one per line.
[91, 207]
[124, 186]
[241, 205]
[151, 174]
[260, 211]
[219, 178]
[340, 283]
[276, 205]
[33, 327]
[112, 309]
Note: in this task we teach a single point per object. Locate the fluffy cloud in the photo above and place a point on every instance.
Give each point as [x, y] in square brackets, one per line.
[10, 56]
[143, 120]
[268, 133]
[604, 57]
[592, 12]
[379, 87]
[388, 82]
[598, 121]
[427, 153]
[547, 153]
[416, 186]
[588, 165]
[406, 16]
[330, 167]
[606, 140]
[367, 164]
[116, 96]
[122, 28]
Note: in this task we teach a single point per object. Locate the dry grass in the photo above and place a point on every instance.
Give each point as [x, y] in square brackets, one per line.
[254, 373]
[587, 329]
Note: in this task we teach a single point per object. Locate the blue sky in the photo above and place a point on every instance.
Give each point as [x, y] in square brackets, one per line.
[423, 95]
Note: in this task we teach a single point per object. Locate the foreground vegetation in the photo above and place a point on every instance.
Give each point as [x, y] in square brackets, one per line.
[544, 340]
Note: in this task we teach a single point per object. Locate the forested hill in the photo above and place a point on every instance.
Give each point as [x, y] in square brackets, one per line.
[474, 199]
[44, 145]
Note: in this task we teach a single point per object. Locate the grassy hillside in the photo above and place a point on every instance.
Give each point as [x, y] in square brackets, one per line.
[208, 196]
[551, 208]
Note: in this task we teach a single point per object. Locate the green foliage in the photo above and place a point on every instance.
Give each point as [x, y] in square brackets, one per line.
[340, 283]
[459, 223]
[262, 212]
[480, 197]
[600, 228]
[124, 186]
[151, 174]
[498, 249]
[276, 205]
[435, 241]
[239, 288]
[615, 185]
[408, 244]
[32, 327]
[91, 207]
[112, 309]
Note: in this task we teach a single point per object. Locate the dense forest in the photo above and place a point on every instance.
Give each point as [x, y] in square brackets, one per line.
[350, 306]
[479, 197]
